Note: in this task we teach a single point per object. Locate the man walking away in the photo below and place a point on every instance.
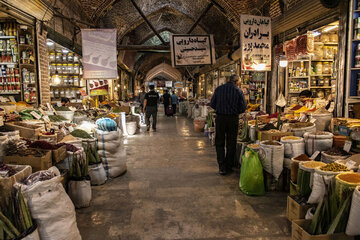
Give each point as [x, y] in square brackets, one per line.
[167, 101]
[141, 100]
[174, 101]
[150, 107]
[228, 101]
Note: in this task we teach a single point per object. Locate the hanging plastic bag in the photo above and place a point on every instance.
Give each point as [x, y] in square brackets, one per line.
[281, 101]
[251, 177]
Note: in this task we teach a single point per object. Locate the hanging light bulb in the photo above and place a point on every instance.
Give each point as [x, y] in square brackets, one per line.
[57, 78]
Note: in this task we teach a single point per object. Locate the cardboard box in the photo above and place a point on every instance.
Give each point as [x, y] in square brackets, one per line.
[265, 135]
[295, 211]
[299, 233]
[59, 154]
[37, 163]
[26, 130]
[125, 109]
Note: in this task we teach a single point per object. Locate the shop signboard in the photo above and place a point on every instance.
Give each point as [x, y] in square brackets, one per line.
[99, 53]
[179, 85]
[168, 84]
[98, 87]
[255, 34]
[192, 50]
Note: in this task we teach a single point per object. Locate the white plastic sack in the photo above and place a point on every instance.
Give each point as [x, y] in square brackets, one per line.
[309, 215]
[319, 185]
[123, 123]
[273, 159]
[315, 142]
[32, 236]
[293, 148]
[80, 193]
[52, 209]
[97, 174]
[131, 128]
[67, 162]
[112, 154]
[352, 228]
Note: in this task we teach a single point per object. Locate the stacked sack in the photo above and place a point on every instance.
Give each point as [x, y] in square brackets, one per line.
[113, 156]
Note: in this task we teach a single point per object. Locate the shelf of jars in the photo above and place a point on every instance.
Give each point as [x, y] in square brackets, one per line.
[17, 62]
[65, 72]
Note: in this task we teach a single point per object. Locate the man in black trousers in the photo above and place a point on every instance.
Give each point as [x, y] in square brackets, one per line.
[228, 101]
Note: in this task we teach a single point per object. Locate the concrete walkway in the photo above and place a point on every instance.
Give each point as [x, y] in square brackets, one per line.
[172, 191]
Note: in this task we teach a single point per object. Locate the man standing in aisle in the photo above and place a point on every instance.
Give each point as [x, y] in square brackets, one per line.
[174, 101]
[167, 102]
[150, 107]
[141, 100]
[228, 101]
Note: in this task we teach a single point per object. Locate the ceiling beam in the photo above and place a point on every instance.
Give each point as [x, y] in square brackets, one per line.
[208, 7]
[150, 48]
[147, 21]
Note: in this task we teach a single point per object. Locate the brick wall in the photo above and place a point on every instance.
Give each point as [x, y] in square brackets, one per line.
[43, 63]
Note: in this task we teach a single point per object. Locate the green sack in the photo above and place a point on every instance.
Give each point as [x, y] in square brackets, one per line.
[251, 177]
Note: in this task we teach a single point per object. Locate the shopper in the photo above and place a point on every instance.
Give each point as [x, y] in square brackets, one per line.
[228, 101]
[151, 100]
[174, 102]
[167, 102]
[65, 101]
[141, 100]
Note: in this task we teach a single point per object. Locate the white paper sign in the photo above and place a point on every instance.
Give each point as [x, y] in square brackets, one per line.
[35, 114]
[12, 99]
[192, 50]
[315, 154]
[347, 146]
[99, 53]
[255, 35]
[350, 164]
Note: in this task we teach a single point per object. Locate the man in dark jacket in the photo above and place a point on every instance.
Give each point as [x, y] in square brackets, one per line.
[150, 107]
[167, 101]
[228, 101]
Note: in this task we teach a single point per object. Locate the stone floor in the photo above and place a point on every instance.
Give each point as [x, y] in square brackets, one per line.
[172, 191]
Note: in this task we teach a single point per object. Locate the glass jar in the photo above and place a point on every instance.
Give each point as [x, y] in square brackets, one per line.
[326, 68]
[62, 93]
[76, 58]
[58, 57]
[56, 93]
[327, 82]
[52, 68]
[64, 57]
[70, 57]
[71, 81]
[64, 68]
[59, 68]
[52, 56]
[319, 68]
[65, 80]
[76, 81]
[76, 69]
[70, 68]
[67, 93]
[334, 38]
[73, 93]
[325, 38]
[313, 81]
[320, 81]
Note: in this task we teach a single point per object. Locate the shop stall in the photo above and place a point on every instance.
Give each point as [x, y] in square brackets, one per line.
[18, 61]
[65, 71]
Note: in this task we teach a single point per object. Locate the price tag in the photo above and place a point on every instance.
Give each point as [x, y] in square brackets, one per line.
[72, 109]
[70, 128]
[12, 99]
[35, 114]
[2, 99]
[46, 119]
[49, 106]
[315, 154]
[350, 164]
[312, 120]
[347, 146]
[42, 111]
[84, 107]
[63, 131]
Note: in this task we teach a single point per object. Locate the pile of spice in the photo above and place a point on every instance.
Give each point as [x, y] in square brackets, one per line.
[334, 167]
[350, 177]
[290, 138]
[302, 124]
[42, 145]
[272, 143]
[313, 164]
[334, 151]
[268, 126]
[80, 134]
[57, 118]
[253, 145]
[302, 157]
[297, 107]
[69, 147]
[62, 108]
[6, 171]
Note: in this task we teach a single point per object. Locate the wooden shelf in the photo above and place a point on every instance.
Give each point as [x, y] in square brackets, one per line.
[305, 60]
[27, 65]
[7, 37]
[300, 77]
[8, 63]
[355, 69]
[9, 93]
[320, 87]
[324, 60]
[66, 86]
[321, 75]
[26, 45]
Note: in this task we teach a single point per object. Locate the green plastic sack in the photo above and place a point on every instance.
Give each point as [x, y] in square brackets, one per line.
[251, 176]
